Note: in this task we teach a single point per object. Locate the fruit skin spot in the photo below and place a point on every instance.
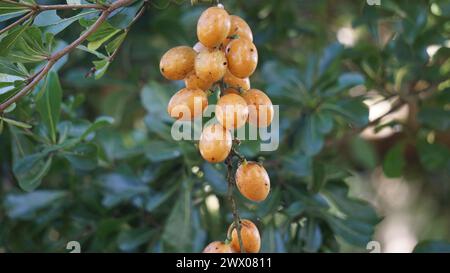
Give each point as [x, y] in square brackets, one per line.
[217, 247]
[242, 57]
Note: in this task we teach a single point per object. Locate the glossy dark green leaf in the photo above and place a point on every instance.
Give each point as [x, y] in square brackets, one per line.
[355, 111]
[11, 10]
[394, 162]
[311, 139]
[49, 104]
[30, 170]
[54, 24]
[432, 247]
[433, 156]
[129, 240]
[83, 156]
[215, 178]
[158, 151]
[25, 205]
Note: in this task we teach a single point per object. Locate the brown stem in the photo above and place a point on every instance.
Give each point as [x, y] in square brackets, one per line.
[58, 55]
[236, 219]
[18, 22]
[64, 7]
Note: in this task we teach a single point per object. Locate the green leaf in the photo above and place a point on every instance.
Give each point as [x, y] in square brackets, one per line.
[119, 188]
[129, 240]
[83, 156]
[55, 24]
[311, 139]
[97, 124]
[10, 10]
[355, 111]
[15, 123]
[299, 165]
[353, 232]
[11, 39]
[100, 68]
[215, 178]
[311, 236]
[394, 161]
[115, 43]
[154, 98]
[30, 170]
[330, 54]
[434, 117]
[177, 234]
[272, 241]
[101, 35]
[318, 180]
[49, 105]
[433, 157]
[96, 53]
[26, 205]
[158, 150]
[432, 247]
[363, 153]
[122, 17]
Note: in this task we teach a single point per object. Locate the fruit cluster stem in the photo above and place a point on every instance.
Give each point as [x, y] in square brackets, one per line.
[236, 219]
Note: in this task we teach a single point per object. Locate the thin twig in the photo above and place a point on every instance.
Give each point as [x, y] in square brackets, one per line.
[18, 22]
[236, 218]
[58, 55]
[64, 7]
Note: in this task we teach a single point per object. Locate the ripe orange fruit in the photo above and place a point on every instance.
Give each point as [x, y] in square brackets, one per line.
[193, 81]
[215, 143]
[253, 181]
[217, 247]
[251, 240]
[210, 65]
[242, 57]
[238, 28]
[213, 26]
[187, 104]
[260, 108]
[177, 62]
[233, 81]
[231, 111]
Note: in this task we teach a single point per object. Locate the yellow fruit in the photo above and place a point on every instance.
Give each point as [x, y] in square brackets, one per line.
[217, 247]
[260, 108]
[242, 57]
[238, 28]
[251, 240]
[231, 111]
[233, 81]
[215, 143]
[253, 181]
[193, 81]
[213, 26]
[187, 104]
[210, 65]
[177, 63]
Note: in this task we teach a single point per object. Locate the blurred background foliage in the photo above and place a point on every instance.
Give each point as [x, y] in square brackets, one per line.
[364, 131]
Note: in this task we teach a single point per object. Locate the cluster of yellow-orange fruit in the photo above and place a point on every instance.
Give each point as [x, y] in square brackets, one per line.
[226, 56]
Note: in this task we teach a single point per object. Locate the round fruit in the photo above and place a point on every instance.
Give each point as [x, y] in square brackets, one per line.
[199, 47]
[231, 111]
[230, 91]
[193, 81]
[233, 81]
[176, 63]
[211, 65]
[260, 108]
[187, 104]
[213, 26]
[238, 28]
[215, 143]
[217, 247]
[253, 181]
[251, 240]
[242, 57]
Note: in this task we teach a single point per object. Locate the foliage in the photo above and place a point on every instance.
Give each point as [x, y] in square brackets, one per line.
[88, 154]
